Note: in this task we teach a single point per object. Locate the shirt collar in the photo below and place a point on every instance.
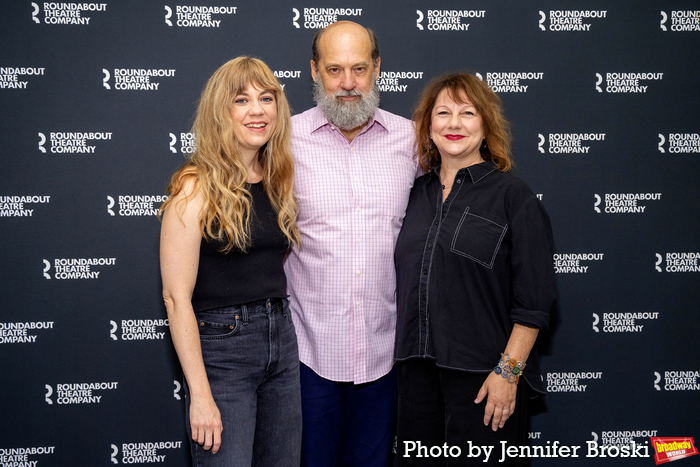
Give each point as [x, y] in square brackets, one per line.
[477, 172]
[319, 120]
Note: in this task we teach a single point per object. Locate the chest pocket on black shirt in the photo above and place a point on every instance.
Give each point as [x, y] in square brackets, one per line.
[478, 238]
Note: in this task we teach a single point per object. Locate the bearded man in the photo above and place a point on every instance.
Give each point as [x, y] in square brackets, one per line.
[354, 169]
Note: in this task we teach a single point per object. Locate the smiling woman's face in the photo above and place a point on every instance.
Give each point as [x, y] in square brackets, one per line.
[456, 128]
[254, 115]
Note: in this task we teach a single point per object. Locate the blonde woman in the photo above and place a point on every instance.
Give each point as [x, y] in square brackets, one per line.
[226, 229]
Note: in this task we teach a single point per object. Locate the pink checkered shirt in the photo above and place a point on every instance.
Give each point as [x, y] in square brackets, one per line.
[352, 198]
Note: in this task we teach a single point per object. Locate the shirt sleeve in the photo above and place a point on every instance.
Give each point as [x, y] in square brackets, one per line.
[533, 278]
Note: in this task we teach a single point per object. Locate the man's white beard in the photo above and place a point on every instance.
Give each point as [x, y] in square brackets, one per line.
[347, 115]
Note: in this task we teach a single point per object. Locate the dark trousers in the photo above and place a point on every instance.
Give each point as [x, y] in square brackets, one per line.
[436, 407]
[252, 362]
[345, 424]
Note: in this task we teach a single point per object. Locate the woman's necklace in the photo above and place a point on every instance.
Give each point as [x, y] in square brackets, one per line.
[445, 187]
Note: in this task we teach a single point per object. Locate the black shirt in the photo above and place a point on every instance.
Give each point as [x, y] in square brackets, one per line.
[468, 268]
[238, 278]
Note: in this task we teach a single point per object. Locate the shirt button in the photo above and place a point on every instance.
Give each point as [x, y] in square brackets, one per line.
[358, 240]
[422, 297]
[359, 273]
[356, 179]
[425, 271]
[429, 246]
[358, 209]
[352, 149]
[357, 303]
[459, 180]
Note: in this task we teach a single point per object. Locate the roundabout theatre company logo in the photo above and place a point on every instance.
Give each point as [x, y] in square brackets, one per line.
[19, 333]
[143, 453]
[76, 268]
[72, 142]
[135, 205]
[319, 18]
[681, 21]
[447, 20]
[135, 79]
[66, 13]
[10, 76]
[18, 206]
[78, 393]
[680, 143]
[624, 203]
[197, 16]
[678, 262]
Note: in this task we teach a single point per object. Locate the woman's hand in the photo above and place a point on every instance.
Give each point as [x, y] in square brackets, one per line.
[500, 403]
[205, 422]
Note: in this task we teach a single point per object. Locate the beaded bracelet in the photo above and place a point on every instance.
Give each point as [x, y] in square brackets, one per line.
[509, 368]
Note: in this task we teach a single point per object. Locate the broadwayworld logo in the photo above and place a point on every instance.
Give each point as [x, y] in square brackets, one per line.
[671, 449]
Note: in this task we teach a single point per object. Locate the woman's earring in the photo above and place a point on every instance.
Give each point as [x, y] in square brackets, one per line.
[484, 145]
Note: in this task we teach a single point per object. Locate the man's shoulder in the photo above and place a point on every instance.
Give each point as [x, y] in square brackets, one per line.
[307, 117]
[392, 121]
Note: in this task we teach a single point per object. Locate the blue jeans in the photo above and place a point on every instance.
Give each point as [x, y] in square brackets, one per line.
[252, 362]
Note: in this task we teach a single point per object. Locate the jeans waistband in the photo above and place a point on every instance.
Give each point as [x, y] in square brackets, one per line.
[259, 306]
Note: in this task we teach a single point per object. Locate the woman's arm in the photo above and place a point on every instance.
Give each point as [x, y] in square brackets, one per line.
[501, 393]
[180, 240]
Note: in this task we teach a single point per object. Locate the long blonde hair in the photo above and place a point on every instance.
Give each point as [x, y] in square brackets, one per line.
[216, 165]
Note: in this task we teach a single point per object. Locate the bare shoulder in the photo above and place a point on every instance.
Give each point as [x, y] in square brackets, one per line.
[187, 200]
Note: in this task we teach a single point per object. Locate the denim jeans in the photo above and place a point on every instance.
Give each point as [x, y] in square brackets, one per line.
[252, 362]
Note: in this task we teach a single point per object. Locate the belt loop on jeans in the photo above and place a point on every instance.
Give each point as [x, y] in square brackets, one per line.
[244, 313]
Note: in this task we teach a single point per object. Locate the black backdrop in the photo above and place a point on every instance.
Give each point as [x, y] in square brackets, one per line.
[97, 100]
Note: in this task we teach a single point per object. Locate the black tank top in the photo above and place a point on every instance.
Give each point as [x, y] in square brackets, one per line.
[238, 278]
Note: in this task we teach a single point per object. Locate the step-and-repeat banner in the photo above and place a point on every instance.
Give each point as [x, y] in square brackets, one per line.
[96, 104]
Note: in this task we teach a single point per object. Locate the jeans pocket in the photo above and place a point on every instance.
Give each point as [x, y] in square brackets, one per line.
[217, 326]
[286, 311]
[478, 238]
